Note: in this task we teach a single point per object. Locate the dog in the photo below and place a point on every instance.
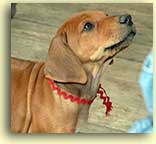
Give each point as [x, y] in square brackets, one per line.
[77, 56]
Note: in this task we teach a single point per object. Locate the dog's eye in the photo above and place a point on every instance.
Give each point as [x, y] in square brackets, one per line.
[88, 26]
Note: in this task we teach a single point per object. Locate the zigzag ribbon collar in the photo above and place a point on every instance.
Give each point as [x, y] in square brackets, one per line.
[78, 100]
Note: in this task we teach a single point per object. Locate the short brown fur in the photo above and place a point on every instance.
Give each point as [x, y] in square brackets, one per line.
[76, 60]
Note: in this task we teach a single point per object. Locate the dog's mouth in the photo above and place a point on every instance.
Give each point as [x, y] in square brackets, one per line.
[117, 47]
[123, 43]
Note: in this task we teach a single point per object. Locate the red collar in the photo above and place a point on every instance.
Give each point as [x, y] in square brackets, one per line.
[101, 92]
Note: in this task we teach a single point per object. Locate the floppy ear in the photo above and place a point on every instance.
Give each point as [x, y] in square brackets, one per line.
[62, 64]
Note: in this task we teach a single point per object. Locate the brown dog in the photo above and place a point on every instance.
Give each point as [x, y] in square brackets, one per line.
[76, 59]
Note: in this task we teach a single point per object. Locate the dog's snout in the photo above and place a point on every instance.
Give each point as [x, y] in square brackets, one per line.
[125, 19]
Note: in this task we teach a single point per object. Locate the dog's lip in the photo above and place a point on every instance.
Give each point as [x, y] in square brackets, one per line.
[118, 47]
[131, 33]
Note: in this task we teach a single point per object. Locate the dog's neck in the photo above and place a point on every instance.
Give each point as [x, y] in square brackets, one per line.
[88, 90]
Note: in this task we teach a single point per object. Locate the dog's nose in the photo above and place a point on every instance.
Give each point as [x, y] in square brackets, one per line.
[125, 19]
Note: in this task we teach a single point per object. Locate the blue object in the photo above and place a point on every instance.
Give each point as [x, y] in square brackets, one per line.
[145, 125]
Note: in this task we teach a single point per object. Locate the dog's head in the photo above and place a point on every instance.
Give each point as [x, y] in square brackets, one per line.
[88, 36]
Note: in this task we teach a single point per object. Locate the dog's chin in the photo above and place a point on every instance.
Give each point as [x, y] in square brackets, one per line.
[124, 43]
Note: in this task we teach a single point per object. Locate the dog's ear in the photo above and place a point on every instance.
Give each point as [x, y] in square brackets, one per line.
[62, 64]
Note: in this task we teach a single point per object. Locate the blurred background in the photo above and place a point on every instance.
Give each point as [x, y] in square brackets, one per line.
[33, 27]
